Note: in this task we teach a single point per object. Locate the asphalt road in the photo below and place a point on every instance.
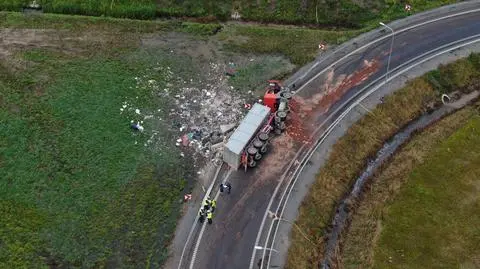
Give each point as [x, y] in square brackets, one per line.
[229, 241]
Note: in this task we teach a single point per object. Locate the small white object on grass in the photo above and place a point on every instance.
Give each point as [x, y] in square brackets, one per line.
[137, 111]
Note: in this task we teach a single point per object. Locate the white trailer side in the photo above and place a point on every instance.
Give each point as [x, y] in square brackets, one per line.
[245, 132]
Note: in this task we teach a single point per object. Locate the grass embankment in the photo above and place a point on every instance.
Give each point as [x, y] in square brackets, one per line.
[333, 13]
[78, 189]
[299, 44]
[362, 140]
[433, 221]
[368, 221]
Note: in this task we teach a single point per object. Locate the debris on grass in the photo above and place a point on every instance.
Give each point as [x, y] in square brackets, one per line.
[200, 112]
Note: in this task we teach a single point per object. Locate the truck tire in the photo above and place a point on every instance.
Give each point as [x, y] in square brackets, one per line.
[263, 137]
[286, 94]
[282, 115]
[252, 163]
[252, 151]
[258, 157]
[257, 144]
[263, 149]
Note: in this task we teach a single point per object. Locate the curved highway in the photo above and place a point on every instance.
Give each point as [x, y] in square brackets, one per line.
[326, 90]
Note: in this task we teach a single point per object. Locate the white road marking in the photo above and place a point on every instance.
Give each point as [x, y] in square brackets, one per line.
[313, 66]
[343, 115]
[196, 218]
[371, 43]
[199, 239]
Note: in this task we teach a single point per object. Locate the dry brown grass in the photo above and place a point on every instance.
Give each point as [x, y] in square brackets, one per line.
[346, 161]
[365, 227]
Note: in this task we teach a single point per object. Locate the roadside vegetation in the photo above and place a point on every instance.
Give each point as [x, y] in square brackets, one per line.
[79, 188]
[428, 215]
[325, 13]
[72, 171]
[367, 223]
[300, 45]
[349, 155]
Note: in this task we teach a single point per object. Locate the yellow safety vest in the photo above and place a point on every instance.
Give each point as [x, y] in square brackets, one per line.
[214, 203]
[209, 215]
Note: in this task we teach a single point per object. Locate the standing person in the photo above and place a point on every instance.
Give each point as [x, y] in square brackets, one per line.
[229, 187]
[225, 186]
[209, 217]
[207, 203]
[214, 204]
[222, 187]
[202, 214]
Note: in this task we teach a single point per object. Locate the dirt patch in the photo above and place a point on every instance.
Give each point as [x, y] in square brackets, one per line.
[281, 151]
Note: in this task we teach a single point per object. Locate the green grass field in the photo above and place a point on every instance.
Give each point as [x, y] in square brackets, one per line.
[299, 44]
[433, 221]
[79, 189]
[330, 13]
[72, 173]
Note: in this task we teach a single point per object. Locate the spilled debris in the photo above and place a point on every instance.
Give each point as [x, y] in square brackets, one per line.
[201, 113]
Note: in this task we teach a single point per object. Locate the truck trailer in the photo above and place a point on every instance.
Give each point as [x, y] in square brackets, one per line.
[249, 142]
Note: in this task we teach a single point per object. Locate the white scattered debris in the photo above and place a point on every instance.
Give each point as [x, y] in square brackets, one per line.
[225, 128]
[201, 113]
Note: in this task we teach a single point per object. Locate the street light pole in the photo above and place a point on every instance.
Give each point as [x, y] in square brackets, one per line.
[391, 49]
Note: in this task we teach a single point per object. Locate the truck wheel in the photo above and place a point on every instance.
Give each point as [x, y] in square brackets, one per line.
[252, 164]
[282, 115]
[252, 151]
[286, 94]
[263, 137]
[263, 149]
[258, 157]
[257, 144]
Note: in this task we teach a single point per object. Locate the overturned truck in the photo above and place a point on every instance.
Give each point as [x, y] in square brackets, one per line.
[249, 142]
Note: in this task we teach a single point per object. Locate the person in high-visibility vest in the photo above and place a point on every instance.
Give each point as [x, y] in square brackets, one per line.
[213, 204]
[209, 217]
[207, 203]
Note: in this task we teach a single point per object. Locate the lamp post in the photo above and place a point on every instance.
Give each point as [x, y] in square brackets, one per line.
[275, 217]
[391, 49]
[262, 248]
